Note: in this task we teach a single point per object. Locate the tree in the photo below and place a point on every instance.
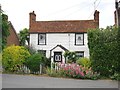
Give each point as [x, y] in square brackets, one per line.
[23, 36]
[104, 50]
[5, 29]
[14, 57]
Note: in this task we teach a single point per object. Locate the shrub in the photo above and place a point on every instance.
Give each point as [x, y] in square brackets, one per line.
[73, 71]
[70, 56]
[34, 61]
[104, 47]
[85, 62]
[14, 57]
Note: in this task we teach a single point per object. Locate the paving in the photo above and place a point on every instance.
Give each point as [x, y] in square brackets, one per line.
[27, 81]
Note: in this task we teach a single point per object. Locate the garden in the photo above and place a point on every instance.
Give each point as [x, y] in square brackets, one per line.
[104, 61]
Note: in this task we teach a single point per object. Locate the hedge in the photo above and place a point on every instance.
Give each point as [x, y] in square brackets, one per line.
[104, 46]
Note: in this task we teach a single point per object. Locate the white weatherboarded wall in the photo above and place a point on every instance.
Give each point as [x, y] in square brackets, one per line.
[67, 40]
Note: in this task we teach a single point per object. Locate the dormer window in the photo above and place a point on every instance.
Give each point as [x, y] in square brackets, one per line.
[79, 39]
[41, 39]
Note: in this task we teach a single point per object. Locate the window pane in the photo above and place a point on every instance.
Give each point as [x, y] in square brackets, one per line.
[79, 39]
[42, 38]
[80, 54]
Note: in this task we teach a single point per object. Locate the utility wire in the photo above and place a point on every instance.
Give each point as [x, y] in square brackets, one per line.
[94, 8]
[59, 11]
[76, 11]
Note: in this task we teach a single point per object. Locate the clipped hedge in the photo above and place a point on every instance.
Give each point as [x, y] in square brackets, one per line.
[104, 46]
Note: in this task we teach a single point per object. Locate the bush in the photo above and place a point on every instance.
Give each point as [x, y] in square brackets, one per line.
[34, 61]
[70, 56]
[14, 57]
[73, 71]
[104, 47]
[85, 62]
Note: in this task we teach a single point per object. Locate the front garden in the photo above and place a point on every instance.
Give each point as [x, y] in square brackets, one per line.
[104, 45]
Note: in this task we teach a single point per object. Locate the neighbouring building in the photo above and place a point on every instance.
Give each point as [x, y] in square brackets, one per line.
[53, 38]
[12, 39]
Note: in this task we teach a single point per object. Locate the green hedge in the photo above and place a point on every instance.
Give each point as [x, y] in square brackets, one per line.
[104, 46]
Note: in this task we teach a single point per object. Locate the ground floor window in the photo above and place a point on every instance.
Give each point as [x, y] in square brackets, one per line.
[42, 52]
[79, 54]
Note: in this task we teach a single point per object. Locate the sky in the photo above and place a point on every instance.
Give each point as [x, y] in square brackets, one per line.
[51, 10]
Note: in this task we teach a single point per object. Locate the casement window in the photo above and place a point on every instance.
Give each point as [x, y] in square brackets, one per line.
[42, 52]
[80, 54]
[41, 39]
[79, 39]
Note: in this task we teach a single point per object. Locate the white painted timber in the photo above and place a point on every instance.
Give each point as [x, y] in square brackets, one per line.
[67, 40]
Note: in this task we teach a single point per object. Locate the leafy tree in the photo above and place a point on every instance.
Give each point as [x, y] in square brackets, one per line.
[23, 36]
[14, 57]
[104, 50]
[5, 29]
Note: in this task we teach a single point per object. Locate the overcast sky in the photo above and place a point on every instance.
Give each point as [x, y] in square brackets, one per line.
[18, 11]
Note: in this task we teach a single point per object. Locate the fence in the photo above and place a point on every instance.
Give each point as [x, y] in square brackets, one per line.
[25, 70]
[58, 66]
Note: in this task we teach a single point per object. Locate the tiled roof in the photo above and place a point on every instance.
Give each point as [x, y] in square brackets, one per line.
[62, 26]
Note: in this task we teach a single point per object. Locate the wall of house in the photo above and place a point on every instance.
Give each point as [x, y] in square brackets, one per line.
[67, 40]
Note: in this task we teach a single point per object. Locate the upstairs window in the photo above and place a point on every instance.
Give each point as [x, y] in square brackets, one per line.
[41, 39]
[79, 39]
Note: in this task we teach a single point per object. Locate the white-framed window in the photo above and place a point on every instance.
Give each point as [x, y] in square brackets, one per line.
[41, 39]
[79, 54]
[79, 39]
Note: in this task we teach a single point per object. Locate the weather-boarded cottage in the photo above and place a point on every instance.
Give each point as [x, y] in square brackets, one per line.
[53, 38]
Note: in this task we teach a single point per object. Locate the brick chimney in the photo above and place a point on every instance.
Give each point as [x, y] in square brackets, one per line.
[32, 18]
[96, 17]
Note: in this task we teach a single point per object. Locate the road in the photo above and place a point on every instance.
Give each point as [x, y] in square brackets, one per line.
[27, 81]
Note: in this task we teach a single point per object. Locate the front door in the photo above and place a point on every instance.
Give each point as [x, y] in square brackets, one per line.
[57, 56]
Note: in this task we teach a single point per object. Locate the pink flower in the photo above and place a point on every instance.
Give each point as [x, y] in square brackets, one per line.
[86, 71]
[81, 73]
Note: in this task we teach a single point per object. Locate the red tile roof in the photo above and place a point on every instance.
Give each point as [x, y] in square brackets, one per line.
[62, 26]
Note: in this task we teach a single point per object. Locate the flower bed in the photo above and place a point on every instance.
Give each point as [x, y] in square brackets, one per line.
[74, 71]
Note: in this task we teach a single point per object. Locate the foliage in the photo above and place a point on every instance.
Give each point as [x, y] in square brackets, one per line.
[23, 36]
[104, 50]
[30, 49]
[14, 57]
[73, 71]
[34, 61]
[85, 62]
[5, 30]
[70, 56]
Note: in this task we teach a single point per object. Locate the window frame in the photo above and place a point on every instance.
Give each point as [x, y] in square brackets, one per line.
[39, 40]
[82, 41]
[80, 52]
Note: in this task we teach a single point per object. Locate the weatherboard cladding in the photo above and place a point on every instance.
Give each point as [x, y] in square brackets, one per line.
[62, 26]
